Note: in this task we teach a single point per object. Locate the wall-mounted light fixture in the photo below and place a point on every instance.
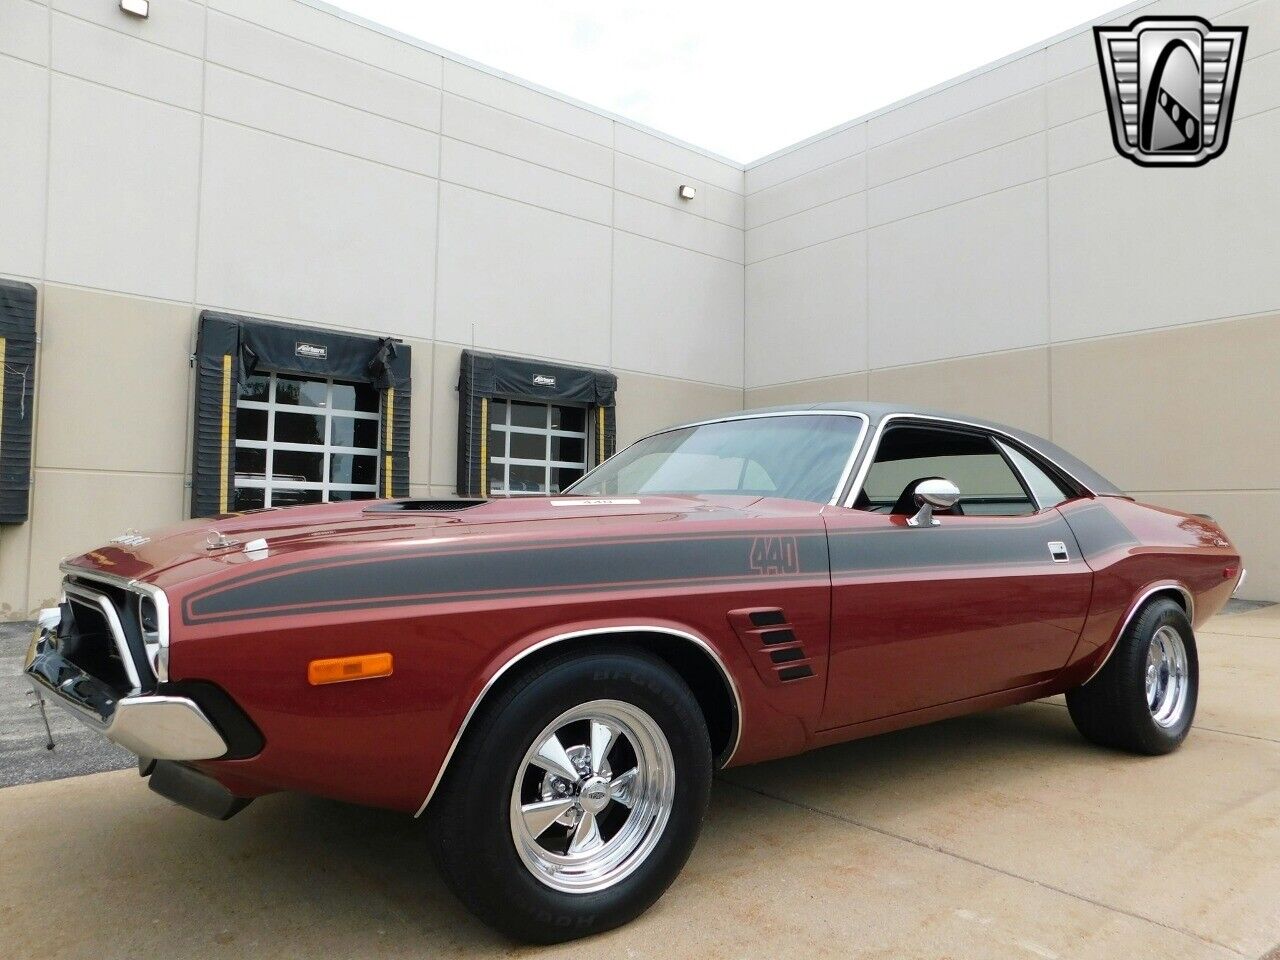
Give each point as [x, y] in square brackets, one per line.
[136, 8]
[687, 192]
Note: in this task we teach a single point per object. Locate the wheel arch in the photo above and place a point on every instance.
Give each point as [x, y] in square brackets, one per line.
[1171, 589]
[691, 656]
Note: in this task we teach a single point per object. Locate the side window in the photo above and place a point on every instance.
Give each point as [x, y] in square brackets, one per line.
[1047, 491]
[972, 461]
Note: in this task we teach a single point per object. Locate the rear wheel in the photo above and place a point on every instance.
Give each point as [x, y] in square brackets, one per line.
[1144, 698]
[576, 798]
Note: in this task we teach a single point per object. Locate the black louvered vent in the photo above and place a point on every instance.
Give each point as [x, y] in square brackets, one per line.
[794, 673]
[779, 656]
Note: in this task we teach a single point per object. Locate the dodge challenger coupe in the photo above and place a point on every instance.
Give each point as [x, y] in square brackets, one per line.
[551, 681]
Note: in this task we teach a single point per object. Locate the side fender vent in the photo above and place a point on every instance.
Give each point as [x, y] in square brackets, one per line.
[777, 653]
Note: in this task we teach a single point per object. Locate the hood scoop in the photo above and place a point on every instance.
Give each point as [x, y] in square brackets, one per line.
[422, 506]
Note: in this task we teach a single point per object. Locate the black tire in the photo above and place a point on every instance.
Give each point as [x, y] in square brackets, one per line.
[470, 818]
[1112, 708]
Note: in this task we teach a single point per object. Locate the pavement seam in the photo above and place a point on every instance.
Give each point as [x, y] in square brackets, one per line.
[924, 845]
[1194, 725]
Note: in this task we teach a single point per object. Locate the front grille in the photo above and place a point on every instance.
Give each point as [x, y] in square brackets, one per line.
[88, 642]
[99, 633]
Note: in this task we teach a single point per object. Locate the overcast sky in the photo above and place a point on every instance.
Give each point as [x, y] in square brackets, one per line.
[741, 79]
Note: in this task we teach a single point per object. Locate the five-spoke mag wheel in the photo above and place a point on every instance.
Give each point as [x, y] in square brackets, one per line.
[592, 796]
[576, 796]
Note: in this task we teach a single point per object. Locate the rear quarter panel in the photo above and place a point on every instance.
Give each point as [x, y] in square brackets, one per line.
[1134, 547]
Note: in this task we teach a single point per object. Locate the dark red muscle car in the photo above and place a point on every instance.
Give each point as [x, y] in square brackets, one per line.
[551, 681]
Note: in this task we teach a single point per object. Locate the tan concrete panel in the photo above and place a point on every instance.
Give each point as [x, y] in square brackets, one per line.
[1190, 408]
[77, 510]
[1010, 388]
[113, 385]
[646, 404]
[445, 363]
[1250, 518]
[849, 386]
[15, 542]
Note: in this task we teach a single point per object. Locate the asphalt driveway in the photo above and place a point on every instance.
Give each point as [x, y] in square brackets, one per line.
[1002, 835]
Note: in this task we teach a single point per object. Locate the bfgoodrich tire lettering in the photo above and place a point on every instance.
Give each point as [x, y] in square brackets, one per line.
[661, 785]
[1144, 698]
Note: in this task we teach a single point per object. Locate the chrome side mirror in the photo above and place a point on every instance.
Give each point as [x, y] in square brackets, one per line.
[933, 495]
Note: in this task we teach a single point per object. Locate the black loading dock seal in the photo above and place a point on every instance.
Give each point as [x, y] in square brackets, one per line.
[487, 376]
[230, 348]
[17, 391]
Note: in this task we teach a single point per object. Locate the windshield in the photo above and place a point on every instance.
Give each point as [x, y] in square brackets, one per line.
[800, 457]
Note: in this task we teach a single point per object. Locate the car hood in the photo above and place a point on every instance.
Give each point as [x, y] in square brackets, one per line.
[197, 548]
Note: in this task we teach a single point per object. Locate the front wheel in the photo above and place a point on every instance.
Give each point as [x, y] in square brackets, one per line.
[1144, 698]
[577, 798]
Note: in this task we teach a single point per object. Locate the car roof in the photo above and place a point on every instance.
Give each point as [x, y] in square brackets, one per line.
[875, 412]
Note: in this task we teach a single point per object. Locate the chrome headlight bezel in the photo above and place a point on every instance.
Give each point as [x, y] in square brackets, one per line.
[152, 611]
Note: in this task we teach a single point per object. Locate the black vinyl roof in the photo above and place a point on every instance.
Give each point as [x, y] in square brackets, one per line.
[876, 412]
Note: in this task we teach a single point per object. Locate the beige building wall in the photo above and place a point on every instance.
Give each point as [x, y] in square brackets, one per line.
[982, 248]
[979, 247]
[278, 159]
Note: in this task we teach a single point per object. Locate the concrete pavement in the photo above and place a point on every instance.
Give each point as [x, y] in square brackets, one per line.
[1002, 835]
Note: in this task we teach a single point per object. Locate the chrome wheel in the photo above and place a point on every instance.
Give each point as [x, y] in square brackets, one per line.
[1167, 679]
[592, 796]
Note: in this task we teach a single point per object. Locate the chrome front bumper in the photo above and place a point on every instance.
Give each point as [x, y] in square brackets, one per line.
[150, 725]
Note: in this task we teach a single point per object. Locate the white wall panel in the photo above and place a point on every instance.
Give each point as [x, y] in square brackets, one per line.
[521, 279]
[273, 56]
[675, 312]
[505, 132]
[277, 109]
[178, 24]
[726, 206]
[122, 197]
[24, 116]
[1010, 164]
[24, 30]
[327, 30]
[806, 313]
[662, 185]
[978, 91]
[1133, 248]
[658, 184]
[826, 149]
[118, 60]
[835, 180]
[507, 176]
[965, 279]
[1013, 118]
[646, 146]
[522, 101]
[297, 231]
[660, 222]
[835, 219]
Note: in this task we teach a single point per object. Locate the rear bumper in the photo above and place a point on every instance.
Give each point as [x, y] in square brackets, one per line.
[151, 725]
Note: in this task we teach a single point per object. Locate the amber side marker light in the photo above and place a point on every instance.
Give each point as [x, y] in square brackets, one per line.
[366, 666]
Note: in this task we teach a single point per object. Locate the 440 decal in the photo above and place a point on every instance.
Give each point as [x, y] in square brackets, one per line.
[771, 556]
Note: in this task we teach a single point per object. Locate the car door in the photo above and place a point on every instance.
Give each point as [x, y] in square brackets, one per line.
[989, 597]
